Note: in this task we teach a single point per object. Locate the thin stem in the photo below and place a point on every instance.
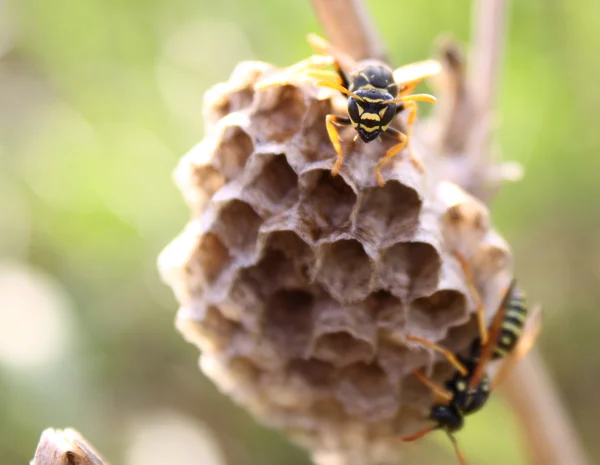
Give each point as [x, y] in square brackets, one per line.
[550, 435]
[349, 27]
[486, 53]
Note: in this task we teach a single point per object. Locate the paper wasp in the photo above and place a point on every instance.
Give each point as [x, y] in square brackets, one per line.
[468, 390]
[376, 94]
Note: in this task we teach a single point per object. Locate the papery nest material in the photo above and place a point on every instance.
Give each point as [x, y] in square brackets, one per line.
[300, 288]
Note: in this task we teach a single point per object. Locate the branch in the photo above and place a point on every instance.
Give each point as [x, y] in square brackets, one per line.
[65, 447]
[348, 26]
[551, 437]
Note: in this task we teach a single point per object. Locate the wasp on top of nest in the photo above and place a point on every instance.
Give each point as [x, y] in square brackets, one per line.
[376, 94]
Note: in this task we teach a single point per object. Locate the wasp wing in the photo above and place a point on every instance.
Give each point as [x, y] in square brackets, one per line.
[416, 72]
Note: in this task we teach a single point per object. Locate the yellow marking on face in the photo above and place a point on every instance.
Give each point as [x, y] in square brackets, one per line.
[361, 110]
[354, 124]
[382, 112]
[372, 100]
[367, 87]
[506, 340]
[368, 129]
[364, 76]
[370, 116]
[461, 386]
[384, 128]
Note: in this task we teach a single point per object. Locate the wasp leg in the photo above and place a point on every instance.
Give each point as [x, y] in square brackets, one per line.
[419, 434]
[411, 106]
[526, 341]
[325, 75]
[390, 153]
[311, 63]
[437, 390]
[342, 60]
[331, 121]
[445, 352]
[487, 350]
[483, 333]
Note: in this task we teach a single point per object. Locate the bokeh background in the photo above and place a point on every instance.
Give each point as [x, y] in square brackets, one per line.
[100, 98]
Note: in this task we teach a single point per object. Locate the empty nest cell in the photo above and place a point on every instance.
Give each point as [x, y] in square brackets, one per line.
[237, 226]
[294, 248]
[279, 114]
[365, 391]
[434, 314]
[387, 215]
[288, 321]
[205, 326]
[208, 261]
[232, 151]
[315, 144]
[326, 202]
[343, 334]
[275, 186]
[408, 269]
[344, 269]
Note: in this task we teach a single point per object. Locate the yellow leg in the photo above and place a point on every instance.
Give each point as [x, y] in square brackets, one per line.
[445, 352]
[325, 75]
[312, 63]
[437, 390]
[412, 117]
[483, 333]
[390, 153]
[334, 136]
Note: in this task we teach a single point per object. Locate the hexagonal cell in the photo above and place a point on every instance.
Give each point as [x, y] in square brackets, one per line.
[387, 215]
[279, 113]
[237, 225]
[275, 186]
[408, 269]
[366, 391]
[388, 310]
[205, 326]
[314, 140]
[432, 315]
[208, 261]
[293, 247]
[207, 179]
[333, 262]
[288, 321]
[343, 334]
[232, 151]
[399, 361]
[316, 373]
[326, 201]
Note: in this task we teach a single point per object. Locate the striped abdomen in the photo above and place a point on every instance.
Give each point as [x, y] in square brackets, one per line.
[515, 315]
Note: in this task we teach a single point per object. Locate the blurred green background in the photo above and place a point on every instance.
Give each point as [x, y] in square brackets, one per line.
[100, 98]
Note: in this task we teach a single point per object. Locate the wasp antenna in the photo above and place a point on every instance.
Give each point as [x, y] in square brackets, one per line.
[339, 88]
[459, 454]
[415, 98]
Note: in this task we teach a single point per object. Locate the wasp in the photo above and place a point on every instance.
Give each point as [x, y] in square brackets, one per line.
[376, 94]
[511, 335]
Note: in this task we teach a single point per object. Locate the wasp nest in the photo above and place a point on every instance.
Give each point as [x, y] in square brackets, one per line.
[300, 288]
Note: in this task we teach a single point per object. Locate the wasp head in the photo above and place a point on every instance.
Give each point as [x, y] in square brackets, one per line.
[370, 113]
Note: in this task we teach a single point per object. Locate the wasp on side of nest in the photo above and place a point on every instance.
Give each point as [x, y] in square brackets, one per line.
[376, 94]
[511, 335]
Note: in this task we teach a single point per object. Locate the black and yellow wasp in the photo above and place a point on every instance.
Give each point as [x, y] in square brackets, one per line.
[376, 94]
[511, 335]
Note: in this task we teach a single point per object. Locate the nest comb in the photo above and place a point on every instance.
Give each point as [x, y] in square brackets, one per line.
[300, 288]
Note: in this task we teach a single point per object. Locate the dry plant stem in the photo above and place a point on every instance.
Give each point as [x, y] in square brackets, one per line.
[551, 437]
[349, 27]
[545, 423]
[65, 447]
